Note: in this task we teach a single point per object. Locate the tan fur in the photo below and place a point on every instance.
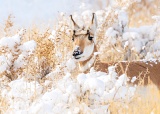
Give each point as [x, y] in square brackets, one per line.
[81, 40]
[142, 70]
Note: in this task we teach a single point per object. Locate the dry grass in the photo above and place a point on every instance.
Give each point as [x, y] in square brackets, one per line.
[141, 13]
[144, 102]
[116, 52]
[3, 105]
[55, 51]
[44, 53]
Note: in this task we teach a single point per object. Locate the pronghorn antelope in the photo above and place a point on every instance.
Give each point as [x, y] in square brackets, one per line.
[84, 53]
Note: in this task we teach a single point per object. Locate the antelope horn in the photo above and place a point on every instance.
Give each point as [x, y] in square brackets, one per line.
[93, 25]
[94, 19]
[75, 24]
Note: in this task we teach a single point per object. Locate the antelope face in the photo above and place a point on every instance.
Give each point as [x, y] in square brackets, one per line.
[83, 45]
[83, 40]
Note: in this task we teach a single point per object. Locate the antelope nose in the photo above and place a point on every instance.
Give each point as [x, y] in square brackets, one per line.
[77, 52]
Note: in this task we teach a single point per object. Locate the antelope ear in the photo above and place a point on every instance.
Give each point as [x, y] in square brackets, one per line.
[94, 23]
[74, 23]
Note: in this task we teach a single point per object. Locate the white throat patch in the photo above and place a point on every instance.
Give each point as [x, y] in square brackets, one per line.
[88, 64]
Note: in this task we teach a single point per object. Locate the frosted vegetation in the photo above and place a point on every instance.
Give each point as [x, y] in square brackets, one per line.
[38, 75]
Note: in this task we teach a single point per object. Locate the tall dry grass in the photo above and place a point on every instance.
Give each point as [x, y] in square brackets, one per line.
[55, 49]
[146, 102]
[141, 13]
[3, 105]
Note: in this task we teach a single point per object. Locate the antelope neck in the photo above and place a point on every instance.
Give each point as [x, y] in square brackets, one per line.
[85, 65]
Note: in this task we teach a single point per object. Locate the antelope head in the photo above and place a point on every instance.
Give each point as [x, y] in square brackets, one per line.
[84, 39]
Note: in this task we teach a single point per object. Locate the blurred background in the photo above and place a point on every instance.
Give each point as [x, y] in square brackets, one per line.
[27, 12]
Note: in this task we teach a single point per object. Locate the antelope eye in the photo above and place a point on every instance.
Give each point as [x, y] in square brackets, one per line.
[90, 38]
[72, 39]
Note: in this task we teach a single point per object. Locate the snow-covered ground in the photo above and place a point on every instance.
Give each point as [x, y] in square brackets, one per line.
[89, 93]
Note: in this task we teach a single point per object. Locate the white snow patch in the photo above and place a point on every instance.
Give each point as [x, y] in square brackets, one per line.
[71, 65]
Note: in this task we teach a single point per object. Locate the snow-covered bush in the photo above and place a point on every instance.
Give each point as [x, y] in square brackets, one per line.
[21, 95]
[15, 55]
[60, 88]
[126, 42]
[88, 93]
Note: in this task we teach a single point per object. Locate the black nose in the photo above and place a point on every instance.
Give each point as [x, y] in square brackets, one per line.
[77, 52]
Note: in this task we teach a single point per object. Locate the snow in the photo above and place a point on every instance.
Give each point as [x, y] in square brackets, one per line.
[3, 64]
[21, 94]
[28, 46]
[28, 97]
[71, 65]
[87, 92]
[123, 18]
[141, 40]
[91, 82]
[81, 78]
[9, 42]
[15, 54]
[133, 79]
[20, 61]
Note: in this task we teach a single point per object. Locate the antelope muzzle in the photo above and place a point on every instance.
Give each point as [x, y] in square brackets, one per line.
[76, 53]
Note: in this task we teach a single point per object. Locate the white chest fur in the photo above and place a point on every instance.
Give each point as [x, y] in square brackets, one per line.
[88, 64]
